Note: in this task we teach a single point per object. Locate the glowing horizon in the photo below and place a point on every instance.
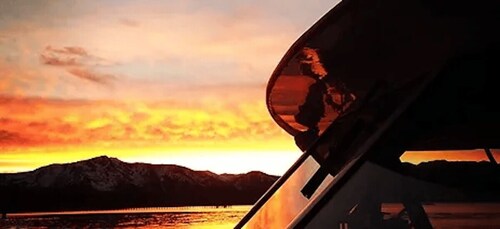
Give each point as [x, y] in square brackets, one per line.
[166, 132]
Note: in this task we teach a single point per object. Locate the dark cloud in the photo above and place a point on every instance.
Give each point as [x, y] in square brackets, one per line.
[69, 50]
[89, 75]
[58, 61]
[77, 62]
[67, 56]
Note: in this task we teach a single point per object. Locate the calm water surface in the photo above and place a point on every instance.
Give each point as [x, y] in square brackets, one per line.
[442, 216]
[181, 217]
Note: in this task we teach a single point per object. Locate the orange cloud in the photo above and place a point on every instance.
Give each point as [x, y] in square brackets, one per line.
[48, 122]
[222, 137]
[8, 137]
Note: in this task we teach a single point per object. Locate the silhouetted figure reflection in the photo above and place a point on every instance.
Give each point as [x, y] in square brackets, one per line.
[310, 113]
[324, 91]
[312, 110]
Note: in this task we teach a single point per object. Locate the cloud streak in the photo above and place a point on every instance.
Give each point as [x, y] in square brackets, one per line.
[8, 137]
[89, 75]
[69, 50]
[77, 62]
[67, 56]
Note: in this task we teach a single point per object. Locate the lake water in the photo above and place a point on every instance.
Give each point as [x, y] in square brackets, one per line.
[181, 217]
[442, 216]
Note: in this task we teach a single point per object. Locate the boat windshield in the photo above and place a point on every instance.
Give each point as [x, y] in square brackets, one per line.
[347, 58]
[336, 87]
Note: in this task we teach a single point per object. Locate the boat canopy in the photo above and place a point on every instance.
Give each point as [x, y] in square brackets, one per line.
[366, 52]
[369, 81]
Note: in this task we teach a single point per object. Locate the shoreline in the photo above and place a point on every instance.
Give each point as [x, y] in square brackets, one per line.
[180, 209]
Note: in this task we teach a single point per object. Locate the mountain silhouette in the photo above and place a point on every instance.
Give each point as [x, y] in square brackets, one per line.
[108, 183]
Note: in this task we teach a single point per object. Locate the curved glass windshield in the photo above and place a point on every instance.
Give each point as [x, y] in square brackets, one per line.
[346, 59]
[306, 98]
[345, 80]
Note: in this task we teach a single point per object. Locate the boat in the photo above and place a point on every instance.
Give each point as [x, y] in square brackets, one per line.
[371, 83]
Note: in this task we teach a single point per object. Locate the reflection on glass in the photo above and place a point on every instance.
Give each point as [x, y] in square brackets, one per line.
[306, 97]
[347, 59]
[287, 201]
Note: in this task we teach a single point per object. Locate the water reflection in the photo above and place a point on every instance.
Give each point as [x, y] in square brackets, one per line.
[192, 217]
[287, 202]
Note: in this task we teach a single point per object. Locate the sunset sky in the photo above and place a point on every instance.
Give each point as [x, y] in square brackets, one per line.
[178, 82]
[170, 82]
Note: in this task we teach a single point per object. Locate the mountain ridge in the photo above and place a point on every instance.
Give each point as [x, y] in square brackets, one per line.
[106, 182]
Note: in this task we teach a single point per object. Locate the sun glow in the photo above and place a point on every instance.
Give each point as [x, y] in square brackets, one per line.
[416, 157]
[197, 135]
